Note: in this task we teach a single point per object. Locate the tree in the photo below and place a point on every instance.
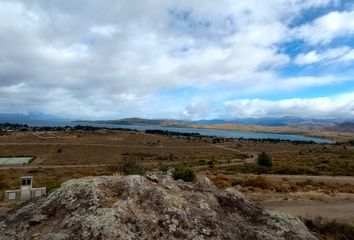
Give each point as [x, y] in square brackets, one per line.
[264, 160]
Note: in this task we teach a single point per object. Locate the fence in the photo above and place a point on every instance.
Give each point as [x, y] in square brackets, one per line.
[12, 195]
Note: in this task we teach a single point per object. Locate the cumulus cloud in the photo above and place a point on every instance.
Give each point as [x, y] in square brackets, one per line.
[340, 54]
[327, 28]
[104, 31]
[107, 59]
[313, 56]
[341, 106]
[198, 110]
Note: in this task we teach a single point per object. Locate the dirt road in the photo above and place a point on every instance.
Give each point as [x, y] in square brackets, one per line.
[341, 210]
[300, 178]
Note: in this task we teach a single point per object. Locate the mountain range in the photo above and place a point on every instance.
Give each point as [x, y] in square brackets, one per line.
[262, 121]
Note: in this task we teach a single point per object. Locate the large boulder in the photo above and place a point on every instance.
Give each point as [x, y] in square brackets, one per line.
[146, 207]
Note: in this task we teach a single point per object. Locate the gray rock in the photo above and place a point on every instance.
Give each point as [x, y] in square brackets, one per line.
[152, 207]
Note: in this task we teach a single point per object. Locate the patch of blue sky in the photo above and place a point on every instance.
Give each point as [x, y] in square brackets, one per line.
[312, 14]
[311, 92]
[347, 40]
[294, 47]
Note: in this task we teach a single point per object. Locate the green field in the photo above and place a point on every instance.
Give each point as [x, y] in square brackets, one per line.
[15, 160]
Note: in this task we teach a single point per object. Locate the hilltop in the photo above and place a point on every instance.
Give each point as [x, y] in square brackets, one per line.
[146, 207]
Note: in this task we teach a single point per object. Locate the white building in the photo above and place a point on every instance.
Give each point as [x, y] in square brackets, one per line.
[26, 192]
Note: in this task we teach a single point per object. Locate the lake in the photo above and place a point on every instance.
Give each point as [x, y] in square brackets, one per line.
[201, 131]
[213, 132]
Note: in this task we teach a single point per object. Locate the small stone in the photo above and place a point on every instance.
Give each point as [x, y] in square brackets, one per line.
[153, 178]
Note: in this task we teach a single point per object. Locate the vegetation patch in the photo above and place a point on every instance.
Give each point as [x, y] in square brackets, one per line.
[264, 160]
[185, 173]
[330, 230]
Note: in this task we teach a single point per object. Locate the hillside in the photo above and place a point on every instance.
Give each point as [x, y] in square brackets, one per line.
[342, 127]
[150, 207]
[142, 121]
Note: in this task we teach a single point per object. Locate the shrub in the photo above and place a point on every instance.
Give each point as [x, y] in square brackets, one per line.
[264, 160]
[4, 182]
[259, 181]
[211, 163]
[51, 185]
[131, 166]
[163, 167]
[201, 162]
[221, 181]
[330, 229]
[236, 182]
[184, 173]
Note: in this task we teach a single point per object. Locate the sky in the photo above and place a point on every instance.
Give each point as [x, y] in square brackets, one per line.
[181, 59]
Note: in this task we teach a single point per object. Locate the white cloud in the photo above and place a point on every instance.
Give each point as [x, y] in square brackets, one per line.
[104, 31]
[340, 54]
[326, 28]
[90, 59]
[197, 110]
[323, 107]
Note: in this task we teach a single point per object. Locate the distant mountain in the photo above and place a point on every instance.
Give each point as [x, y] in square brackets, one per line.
[272, 121]
[342, 127]
[30, 118]
[265, 121]
[43, 119]
[142, 121]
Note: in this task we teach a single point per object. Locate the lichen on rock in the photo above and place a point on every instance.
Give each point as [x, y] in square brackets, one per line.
[146, 207]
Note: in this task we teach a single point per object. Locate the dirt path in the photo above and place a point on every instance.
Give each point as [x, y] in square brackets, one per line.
[226, 148]
[247, 160]
[54, 166]
[300, 178]
[105, 145]
[63, 166]
[341, 210]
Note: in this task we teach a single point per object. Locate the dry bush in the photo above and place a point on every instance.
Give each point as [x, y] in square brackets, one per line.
[258, 182]
[283, 187]
[330, 230]
[221, 181]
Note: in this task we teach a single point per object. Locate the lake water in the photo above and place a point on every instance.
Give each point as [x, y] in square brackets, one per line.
[205, 132]
[213, 132]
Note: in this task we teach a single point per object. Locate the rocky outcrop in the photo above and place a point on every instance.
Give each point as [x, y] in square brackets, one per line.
[146, 207]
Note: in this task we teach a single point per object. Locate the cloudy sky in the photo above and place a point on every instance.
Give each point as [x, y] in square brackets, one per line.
[186, 59]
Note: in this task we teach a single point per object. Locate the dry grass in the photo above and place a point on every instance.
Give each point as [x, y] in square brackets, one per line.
[311, 131]
[330, 230]
[288, 158]
[117, 175]
[108, 148]
[155, 151]
[264, 184]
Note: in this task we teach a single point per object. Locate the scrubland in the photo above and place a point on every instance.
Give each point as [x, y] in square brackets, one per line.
[309, 180]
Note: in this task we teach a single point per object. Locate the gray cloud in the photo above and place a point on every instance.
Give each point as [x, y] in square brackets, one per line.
[104, 59]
